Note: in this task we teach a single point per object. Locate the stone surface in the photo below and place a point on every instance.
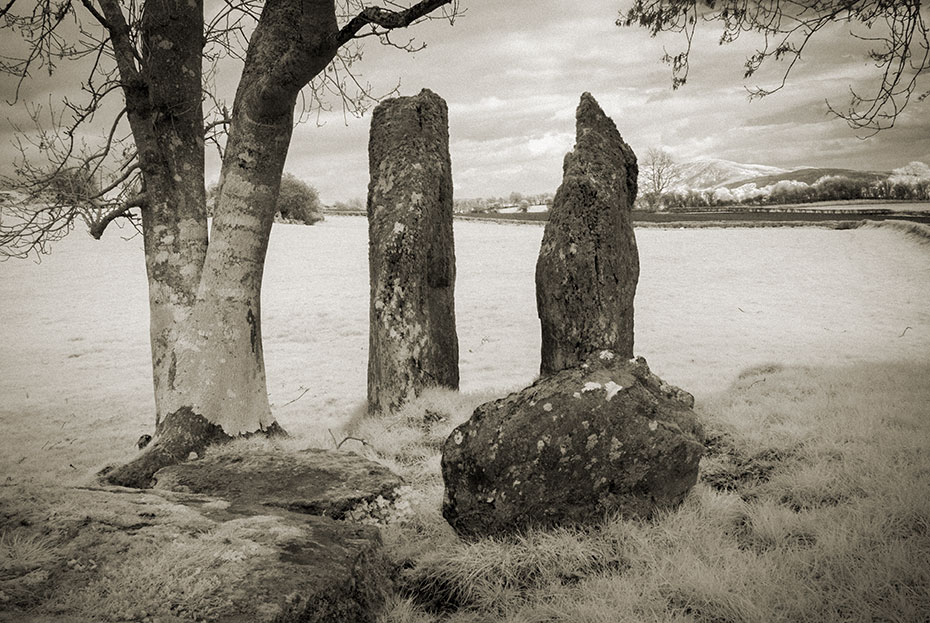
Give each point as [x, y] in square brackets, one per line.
[316, 482]
[588, 263]
[606, 437]
[413, 342]
[116, 554]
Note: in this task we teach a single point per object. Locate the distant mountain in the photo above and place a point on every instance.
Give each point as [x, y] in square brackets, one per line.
[713, 172]
[809, 176]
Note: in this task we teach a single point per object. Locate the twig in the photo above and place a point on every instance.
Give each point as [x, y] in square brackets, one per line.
[298, 398]
[361, 441]
[339, 443]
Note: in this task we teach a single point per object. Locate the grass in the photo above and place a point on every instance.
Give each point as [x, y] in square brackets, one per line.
[813, 505]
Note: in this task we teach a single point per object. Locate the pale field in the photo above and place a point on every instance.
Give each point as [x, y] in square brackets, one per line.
[75, 383]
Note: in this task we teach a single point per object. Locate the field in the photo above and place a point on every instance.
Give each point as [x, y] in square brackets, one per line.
[844, 213]
[807, 349]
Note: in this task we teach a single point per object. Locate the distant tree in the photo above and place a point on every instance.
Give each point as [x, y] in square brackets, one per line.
[658, 173]
[912, 172]
[298, 201]
[355, 204]
[838, 187]
[898, 29]
[911, 181]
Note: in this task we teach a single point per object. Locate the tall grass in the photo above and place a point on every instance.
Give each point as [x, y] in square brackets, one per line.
[918, 232]
[813, 505]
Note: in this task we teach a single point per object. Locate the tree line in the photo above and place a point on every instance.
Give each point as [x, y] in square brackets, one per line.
[664, 191]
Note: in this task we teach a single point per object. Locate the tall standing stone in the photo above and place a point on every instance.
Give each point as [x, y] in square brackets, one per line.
[588, 265]
[412, 338]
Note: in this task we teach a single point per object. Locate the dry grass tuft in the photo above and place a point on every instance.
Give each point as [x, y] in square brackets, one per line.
[918, 232]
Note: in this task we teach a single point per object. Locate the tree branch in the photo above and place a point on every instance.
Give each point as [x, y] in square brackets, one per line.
[120, 38]
[93, 11]
[7, 8]
[898, 29]
[97, 229]
[390, 20]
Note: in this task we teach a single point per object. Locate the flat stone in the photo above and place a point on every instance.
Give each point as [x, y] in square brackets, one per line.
[316, 482]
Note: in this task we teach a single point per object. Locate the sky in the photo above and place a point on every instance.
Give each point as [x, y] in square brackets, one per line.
[512, 73]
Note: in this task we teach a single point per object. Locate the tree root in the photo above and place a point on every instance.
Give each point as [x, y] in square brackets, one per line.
[179, 434]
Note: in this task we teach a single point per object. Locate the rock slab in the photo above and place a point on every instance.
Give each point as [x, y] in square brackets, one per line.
[606, 437]
[312, 481]
[412, 337]
[114, 554]
[588, 264]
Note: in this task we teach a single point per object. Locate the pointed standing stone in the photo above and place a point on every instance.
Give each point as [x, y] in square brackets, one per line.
[412, 338]
[588, 265]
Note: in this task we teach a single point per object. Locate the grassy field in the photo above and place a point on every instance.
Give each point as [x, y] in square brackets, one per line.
[808, 351]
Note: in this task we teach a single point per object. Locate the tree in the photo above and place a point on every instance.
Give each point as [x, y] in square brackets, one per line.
[658, 173]
[298, 201]
[912, 181]
[898, 30]
[207, 362]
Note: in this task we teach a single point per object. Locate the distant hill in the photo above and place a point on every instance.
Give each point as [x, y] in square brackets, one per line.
[808, 176]
[713, 172]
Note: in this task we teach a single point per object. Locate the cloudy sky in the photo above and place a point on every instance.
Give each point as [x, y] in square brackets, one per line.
[512, 73]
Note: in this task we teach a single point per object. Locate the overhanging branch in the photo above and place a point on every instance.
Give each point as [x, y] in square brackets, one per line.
[387, 19]
[7, 8]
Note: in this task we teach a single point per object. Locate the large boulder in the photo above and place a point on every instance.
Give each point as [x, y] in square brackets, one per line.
[412, 337]
[606, 437]
[588, 264]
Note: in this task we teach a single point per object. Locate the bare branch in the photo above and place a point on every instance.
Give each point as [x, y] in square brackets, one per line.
[97, 16]
[7, 8]
[96, 230]
[121, 40]
[389, 20]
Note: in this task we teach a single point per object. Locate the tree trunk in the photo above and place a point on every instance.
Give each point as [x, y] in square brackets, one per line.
[211, 367]
[163, 101]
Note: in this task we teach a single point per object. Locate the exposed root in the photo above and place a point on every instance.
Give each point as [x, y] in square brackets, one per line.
[179, 434]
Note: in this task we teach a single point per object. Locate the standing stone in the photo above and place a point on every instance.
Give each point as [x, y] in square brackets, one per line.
[412, 338]
[588, 265]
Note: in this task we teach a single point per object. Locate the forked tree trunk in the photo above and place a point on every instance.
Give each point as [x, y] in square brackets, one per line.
[213, 367]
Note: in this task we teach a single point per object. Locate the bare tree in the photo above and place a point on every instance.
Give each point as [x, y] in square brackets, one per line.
[147, 56]
[658, 173]
[898, 30]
